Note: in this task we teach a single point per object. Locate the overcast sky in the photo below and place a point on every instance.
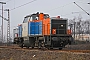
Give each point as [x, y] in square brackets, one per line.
[63, 8]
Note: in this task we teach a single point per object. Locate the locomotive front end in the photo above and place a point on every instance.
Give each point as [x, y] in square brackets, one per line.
[58, 33]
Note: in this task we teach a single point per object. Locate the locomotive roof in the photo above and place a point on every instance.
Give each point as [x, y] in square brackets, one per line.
[30, 15]
[33, 14]
[59, 18]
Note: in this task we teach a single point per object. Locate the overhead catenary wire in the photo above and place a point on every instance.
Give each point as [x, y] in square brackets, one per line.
[20, 5]
[8, 1]
[23, 4]
[82, 8]
[60, 6]
[84, 2]
[76, 12]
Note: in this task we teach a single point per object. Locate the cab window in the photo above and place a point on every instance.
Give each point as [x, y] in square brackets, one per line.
[26, 19]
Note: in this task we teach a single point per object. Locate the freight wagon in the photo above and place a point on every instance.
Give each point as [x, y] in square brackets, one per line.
[40, 30]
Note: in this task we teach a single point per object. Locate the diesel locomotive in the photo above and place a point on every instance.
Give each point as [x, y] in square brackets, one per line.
[40, 30]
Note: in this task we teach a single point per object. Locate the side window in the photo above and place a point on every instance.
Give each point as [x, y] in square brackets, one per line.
[31, 19]
[46, 16]
[34, 17]
[26, 19]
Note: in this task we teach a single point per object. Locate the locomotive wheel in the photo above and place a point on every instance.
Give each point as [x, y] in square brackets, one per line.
[49, 48]
[39, 45]
[32, 47]
[22, 45]
[27, 47]
[60, 48]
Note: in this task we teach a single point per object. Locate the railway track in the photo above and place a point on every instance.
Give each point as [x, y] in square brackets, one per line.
[15, 47]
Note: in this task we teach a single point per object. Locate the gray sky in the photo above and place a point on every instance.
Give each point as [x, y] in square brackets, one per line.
[64, 8]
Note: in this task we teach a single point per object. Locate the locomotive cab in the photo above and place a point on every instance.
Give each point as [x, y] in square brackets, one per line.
[34, 17]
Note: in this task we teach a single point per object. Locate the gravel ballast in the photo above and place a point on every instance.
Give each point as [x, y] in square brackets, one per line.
[12, 54]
